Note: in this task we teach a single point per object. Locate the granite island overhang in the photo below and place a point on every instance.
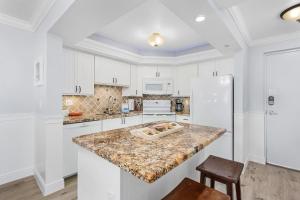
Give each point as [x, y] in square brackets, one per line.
[145, 159]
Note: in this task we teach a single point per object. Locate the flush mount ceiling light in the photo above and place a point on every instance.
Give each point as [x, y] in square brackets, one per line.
[155, 39]
[291, 14]
[200, 18]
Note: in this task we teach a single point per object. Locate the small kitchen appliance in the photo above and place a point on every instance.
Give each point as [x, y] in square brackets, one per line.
[179, 105]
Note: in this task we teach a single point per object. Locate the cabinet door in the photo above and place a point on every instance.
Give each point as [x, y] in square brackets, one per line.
[122, 73]
[225, 66]
[85, 73]
[104, 71]
[132, 90]
[110, 124]
[166, 72]
[70, 148]
[132, 121]
[148, 71]
[184, 75]
[206, 69]
[69, 72]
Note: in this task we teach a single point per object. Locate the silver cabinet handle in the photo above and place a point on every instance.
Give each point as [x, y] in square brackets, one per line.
[116, 80]
[178, 92]
[113, 80]
[213, 73]
[79, 89]
[135, 92]
[216, 73]
[76, 89]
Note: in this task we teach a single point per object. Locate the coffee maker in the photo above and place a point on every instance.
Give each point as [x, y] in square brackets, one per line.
[179, 105]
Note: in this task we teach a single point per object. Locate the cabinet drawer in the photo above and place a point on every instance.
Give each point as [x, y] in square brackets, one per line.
[183, 119]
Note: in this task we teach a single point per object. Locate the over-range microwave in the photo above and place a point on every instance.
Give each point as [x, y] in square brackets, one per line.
[158, 86]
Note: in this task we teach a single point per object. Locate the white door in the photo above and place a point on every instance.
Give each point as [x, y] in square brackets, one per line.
[224, 66]
[184, 76]
[122, 74]
[69, 72]
[85, 73]
[104, 71]
[206, 69]
[166, 72]
[282, 119]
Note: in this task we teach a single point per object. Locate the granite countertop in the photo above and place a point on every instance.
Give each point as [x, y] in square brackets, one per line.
[149, 160]
[97, 117]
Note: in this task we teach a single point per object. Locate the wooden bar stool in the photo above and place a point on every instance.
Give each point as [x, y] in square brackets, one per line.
[192, 190]
[225, 171]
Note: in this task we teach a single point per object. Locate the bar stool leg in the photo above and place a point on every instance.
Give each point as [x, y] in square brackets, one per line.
[202, 178]
[229, 190]
[238, 190]
[212, 183]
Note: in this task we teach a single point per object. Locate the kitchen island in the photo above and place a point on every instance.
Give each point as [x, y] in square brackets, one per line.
[116, 165]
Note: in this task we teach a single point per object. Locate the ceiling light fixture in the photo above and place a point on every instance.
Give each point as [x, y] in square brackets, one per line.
[200, 18]
[155, 39]
[291, 14]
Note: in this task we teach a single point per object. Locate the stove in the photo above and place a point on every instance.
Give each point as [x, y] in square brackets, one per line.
[157, 107]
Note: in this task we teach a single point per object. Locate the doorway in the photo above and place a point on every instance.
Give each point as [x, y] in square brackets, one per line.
[283, 109]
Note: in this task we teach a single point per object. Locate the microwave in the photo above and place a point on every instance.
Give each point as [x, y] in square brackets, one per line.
[158, 86]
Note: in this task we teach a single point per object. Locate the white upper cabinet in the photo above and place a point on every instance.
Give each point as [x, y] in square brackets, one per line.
[69, 69]
[85, 73]
[135, 89]
[78, 73]
[147, 72]
[206, 69]
[111, 72]
[184, 75]
[216, 68]
[166, 72]
[225, 66]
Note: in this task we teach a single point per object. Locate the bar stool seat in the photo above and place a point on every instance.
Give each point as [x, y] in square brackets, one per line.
[192, 190]
[225, 171]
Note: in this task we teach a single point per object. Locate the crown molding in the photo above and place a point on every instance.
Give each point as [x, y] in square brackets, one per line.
[99, 48]
[41, 14]
[31, 25]
[15, 22]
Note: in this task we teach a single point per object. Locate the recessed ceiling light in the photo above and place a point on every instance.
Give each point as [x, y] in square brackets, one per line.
[200, 18]
[292, 13]
[155, 40]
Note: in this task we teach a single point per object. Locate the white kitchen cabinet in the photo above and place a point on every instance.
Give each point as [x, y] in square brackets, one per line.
[147, 72]
[216, 68]
[111, 72]
[183, 118]
[70, 148]
[207, 69]
[110, 124]
[78, 73]
[135, 89]
[165, 72]
[224, 66]
[158, 117]
[184, 75]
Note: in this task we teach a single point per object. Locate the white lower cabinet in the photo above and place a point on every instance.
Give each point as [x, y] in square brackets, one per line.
[70, 149]
[155, 118]
[110, 124]
[183, 118]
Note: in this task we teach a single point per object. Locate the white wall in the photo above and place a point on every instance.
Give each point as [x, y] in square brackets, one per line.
[256, 97]
[16, 65]
[16, 103]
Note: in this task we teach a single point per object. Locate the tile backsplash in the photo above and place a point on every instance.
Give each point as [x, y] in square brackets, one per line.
[110, 96]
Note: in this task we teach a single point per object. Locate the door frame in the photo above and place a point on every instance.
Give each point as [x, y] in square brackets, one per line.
[266, 73]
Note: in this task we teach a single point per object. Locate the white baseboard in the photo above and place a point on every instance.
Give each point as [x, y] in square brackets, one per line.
[257, 159]
[48, 188]
[15, 175]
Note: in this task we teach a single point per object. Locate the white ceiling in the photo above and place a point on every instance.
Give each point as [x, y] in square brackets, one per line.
[25, 14]
[133, 29]
[262, 18]
[21, 9]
